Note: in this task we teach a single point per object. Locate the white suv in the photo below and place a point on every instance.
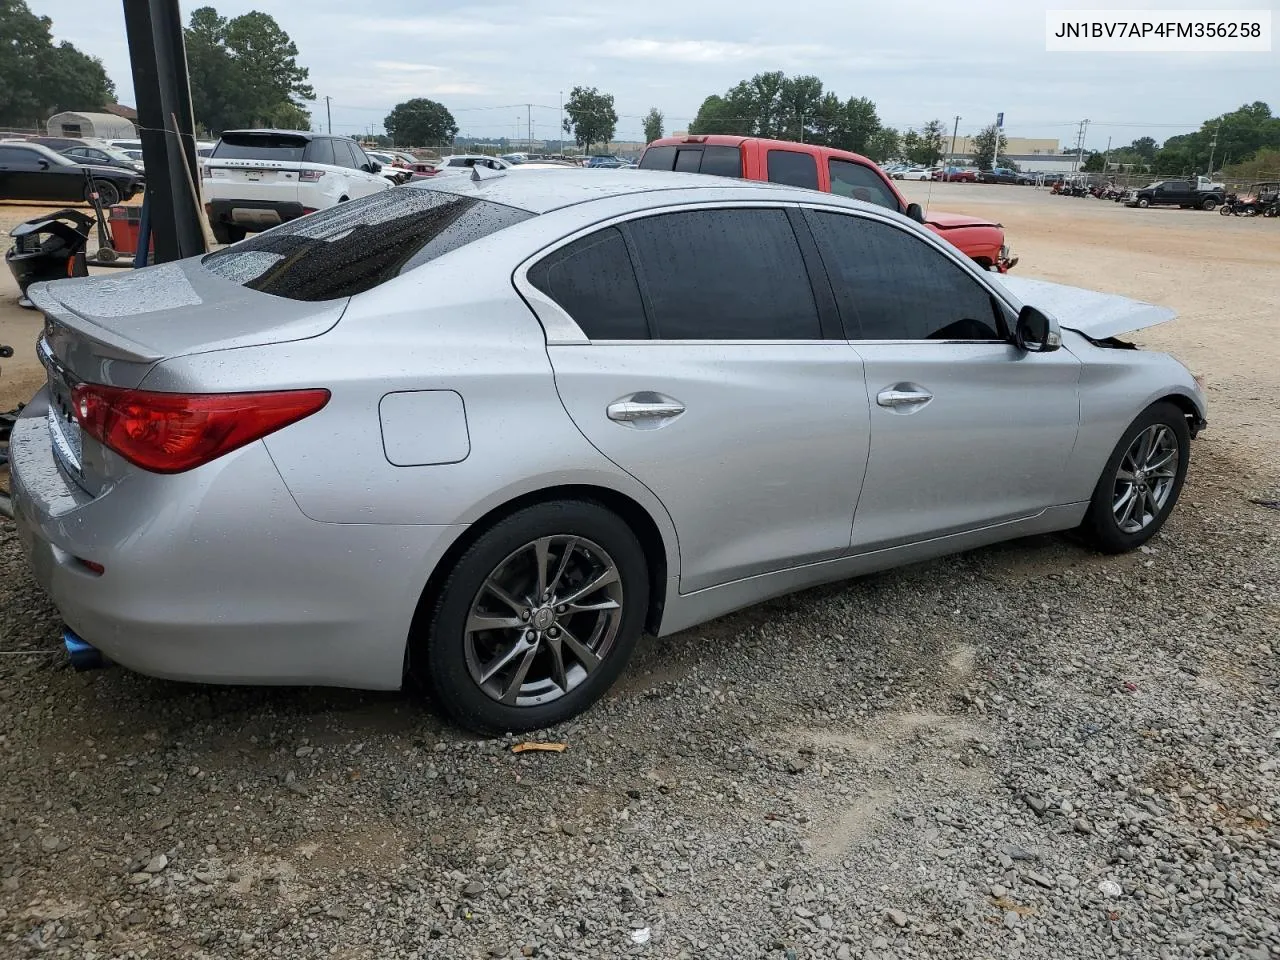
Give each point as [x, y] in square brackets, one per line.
[256, 179]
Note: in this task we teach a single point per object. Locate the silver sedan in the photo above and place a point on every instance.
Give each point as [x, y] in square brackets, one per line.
[483, 433]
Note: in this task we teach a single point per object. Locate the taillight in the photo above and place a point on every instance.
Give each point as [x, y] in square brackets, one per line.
[173, 432]
[310, 176]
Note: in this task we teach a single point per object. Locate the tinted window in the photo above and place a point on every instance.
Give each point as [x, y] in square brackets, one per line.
[725, 275]
[796, 169]
[16, 155]
[658, 158]
[356, 246]
[722, 161]
[320, 151]
[592, 279]
[260, 146]
[891, 285]
[688, 160]
[850, 179]
[357, 153]
[343, 155]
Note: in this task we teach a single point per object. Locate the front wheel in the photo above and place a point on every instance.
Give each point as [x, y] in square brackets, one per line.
[1225, 210]
[536, 620]
[1141, 481]
[1144, 202]
[108, 193]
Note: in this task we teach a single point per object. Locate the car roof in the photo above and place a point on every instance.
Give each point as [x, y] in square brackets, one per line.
[541, 191]
[734, 140]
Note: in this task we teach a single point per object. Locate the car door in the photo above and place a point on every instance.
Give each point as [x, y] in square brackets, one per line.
[706, 373]
[966, 429]
[365, 183]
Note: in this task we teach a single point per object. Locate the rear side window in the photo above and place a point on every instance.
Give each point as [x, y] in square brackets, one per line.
[343, 155]
[849, 179]
[320, 151]
[891, 285]
[16, 155]
[722, 162]
[260, 146]
[357, 246]
[734, 274]
[688, 161]
[593, 280]
[793, 168]
[658, 158]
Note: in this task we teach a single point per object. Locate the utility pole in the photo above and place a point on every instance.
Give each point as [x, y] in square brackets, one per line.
[1084, 127]
[954, 131]
[528, 119]
[1106, 156]
[995, 149]
[1213, 147]
[802, 126]
[328, 112]
[560, 130]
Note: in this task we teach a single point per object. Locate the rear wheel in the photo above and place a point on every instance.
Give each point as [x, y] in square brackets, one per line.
[1141, 481]
[108, 193]
[1209, 204]
[227, 232]
[536, 619]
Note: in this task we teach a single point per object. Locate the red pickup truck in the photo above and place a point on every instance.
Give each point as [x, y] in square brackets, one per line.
[829, 170]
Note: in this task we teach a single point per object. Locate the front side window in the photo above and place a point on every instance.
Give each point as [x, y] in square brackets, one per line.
[793, 168]
[724, 274]
[850, 179]
[892, 285]
[593, 281]
[356, 246]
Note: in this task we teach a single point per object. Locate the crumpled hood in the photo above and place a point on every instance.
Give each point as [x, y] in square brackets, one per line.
[1096, 315]
[950, 221]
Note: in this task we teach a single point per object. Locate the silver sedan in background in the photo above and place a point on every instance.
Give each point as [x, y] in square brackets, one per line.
[484, 432]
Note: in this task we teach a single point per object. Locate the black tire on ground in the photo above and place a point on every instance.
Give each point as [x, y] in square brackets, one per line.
[437, 659]
[1100, 528]
[1144, 202]
[108, 194]
[227, 232]
[1209, 204]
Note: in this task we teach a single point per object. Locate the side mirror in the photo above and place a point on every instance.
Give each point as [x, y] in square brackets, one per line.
[44, 164]
[1036, 332]
[915, 212]
[375, 166]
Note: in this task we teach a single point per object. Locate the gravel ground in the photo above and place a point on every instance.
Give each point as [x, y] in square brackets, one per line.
[1025, 751]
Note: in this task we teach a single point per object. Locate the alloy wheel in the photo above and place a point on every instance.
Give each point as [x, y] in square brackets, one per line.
[543, 620]
[1145, 478]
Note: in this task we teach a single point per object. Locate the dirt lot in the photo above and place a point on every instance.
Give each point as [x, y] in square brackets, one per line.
[1027, 751]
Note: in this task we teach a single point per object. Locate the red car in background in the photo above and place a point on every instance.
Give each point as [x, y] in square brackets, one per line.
[829, 170]
[957, 174]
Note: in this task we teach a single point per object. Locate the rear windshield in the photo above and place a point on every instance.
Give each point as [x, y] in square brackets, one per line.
[260, 146]
[357, 246]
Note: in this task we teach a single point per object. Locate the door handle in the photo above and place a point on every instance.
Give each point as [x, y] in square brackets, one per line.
[644, 409]
[899, 397]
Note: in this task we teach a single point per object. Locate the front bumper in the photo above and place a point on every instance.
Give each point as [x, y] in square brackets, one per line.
[215, 575]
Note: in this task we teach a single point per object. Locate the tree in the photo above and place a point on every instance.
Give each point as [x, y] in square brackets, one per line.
[985, 144]
[718, 115]
[37, 78]
[244, 71]
[931, 139]
[591, 117]
[1143, 147]
[884, 144]
[653, 125]
[1094, 163]
[798, 102]
[420, 122]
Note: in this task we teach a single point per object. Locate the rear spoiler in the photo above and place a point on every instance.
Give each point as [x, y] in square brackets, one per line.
[107, 343]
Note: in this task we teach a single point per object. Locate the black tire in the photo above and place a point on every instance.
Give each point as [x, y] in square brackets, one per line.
[227, 232]
[438, 649]
[1209, 204]
[108, 194]
[1144, 202]
[1225, 210]
[1100, 528]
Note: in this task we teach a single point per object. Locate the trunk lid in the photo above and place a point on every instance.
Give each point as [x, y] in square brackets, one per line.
[1096, 315]
[252, 171]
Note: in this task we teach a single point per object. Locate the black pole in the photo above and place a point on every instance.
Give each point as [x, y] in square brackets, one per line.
[159, 58]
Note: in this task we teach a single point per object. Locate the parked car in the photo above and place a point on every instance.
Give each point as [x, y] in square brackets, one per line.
[1176, 193]
[257, 179]
[393, 168]
[800, 354]
[955, 174]
[30, 171]
[914, 173]
[826, 169]
[105, 156]
[605, 162]
[999, 175]
[461, 163]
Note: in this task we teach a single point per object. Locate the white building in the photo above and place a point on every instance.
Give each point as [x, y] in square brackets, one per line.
[99, 126]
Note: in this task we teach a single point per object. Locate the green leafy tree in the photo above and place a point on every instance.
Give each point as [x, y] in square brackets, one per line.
[1094, 163]
[1240, 134]
[244, 71]
[911, 147]
[1144, 147]
[932, 135]
[653, 125]
[421, 122]
[985, 145]
[37, 78]
[718, 115]
[1265, 165]
[884, 144]
[591, 116]
[799, 100]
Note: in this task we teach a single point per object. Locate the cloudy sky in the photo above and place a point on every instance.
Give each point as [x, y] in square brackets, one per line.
[917, 59]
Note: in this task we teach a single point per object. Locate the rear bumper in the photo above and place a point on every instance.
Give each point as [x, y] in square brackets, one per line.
[255, 213]
[216, 575]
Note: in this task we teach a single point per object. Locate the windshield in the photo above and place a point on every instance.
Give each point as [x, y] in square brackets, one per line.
[357, 246]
